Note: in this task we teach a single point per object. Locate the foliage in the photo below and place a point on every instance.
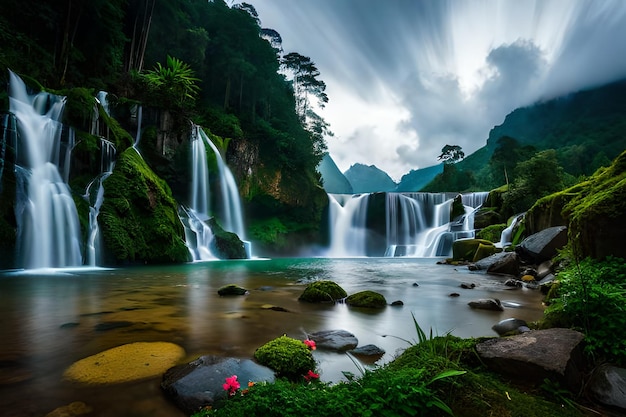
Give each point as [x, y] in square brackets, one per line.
[171, 86]
[289, 357]
[491, 233]
[270, 230]
[592, 297]
[451, 154]
[323, 291]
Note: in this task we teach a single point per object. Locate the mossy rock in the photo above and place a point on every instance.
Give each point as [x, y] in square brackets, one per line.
[367, 299]
[492, 233]
[232, 289]
[226, 245]
[484, 251]
[323, 292]
[130, 362]
[289, 357]
[465, 249]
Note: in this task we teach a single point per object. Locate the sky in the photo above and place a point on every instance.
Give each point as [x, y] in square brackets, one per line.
[406, 77]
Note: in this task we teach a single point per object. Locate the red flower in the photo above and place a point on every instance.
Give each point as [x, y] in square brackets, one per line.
[231, 385]
[311, 375]
[310, 344]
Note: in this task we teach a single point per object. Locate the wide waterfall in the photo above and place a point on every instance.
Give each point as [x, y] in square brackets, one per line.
[197, 234]
[48, 227]
[403, 224]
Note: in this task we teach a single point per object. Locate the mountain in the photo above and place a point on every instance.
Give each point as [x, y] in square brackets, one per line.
[369, 179]
[333, 180]
[417, 179]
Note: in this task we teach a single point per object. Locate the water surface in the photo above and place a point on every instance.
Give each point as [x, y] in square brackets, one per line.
[50, 319]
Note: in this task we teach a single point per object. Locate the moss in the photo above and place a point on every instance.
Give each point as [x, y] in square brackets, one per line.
[322, 292]
[232, 289]
[289, 357]
[367, 299]
[465, 249]
[226, 245]
[491, 233]
[484, 251]
[139, 219]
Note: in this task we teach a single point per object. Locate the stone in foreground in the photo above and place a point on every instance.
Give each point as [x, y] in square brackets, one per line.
[199, 383]
[338, 340]
[532, 356]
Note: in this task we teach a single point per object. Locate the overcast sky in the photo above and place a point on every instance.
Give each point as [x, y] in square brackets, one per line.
[406, 77]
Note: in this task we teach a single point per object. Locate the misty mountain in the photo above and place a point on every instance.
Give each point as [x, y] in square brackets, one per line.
[333, 180]
[417, 179]
[369, 179]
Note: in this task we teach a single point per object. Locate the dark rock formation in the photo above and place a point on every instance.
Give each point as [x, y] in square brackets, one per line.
[487, 304]
[199, 383]
[509, 326]
[542, 246]
[232, 289]
[535, 355]
[608, 385]
[338, 340]
[226, 245]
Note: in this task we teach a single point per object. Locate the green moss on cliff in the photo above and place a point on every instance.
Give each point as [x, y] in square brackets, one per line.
[138, 218]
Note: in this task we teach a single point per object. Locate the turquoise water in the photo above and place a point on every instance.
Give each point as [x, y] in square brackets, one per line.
[50, 319]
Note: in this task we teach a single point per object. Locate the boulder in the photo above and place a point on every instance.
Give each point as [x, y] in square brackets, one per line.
[369, 351]
[506, 263]
[337, 340]
[232, 289]
[608, 385]
[199, 383]
[323, 291]
[509, 326]
[130, 362]
[367, 299]
[492, 304]
[466, 249]
[542, 246]
[535, 355]
[226, 245]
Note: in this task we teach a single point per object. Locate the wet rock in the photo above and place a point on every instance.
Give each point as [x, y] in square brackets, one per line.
[323, 292]
[415, 284]
[338, 340]
[535, 355]
[492, 304]
[500, 263]
[542, 246]
[397, 303]
[232, 289]
[199, 383]
[125, 363]
[110, 325]
[608, 385]
[368, 350]
[274, 308]
[367, 299]
[467, 285]
[454, 294]
[512, 282]
[543, 270]
[509, 326]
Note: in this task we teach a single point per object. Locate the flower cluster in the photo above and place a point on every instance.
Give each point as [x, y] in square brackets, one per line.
[311, 376]
[231, 385]
[310, 343]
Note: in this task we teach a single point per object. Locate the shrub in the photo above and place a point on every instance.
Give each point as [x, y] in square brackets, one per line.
[289, 357]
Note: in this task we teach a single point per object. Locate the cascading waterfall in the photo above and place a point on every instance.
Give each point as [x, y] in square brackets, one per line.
[347, 217]
[197, 234]
[48, 227]
[416, 224]
[94, 195]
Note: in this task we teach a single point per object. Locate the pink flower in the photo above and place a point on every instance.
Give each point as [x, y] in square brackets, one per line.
[231, 385]
[311, 375]
[310, 344]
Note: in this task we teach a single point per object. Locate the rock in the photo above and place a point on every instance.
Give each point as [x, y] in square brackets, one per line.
[454, 294]
[125, 363]
[543, 270]
[371, 351]
[274, 308]
[528, 278]
[608, 385]
[509, 325]
[323, 292]
[199, 383]
[367, 299]
[512, 282]
[338, 340]
[467, 285]
[548, 279]
[226, 245]
[415, 284]
[467, 249]
[397, 303]
[542, 246]
[232, 289]
[536, 355]
[487, 304]
[499, 263]
[110, 325]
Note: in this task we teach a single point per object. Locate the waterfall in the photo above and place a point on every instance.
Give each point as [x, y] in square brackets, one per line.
[416, 224]
[198, 235]
[506, 237]
[48, 227]
[347, 217]
[94, 194]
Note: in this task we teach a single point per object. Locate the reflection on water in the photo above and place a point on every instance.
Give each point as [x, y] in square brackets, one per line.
[50, 320]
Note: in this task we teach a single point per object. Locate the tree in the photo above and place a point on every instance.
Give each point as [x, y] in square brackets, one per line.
[305, 82]
[451, 154]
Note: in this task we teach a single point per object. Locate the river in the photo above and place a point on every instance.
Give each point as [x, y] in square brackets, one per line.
[52, 318]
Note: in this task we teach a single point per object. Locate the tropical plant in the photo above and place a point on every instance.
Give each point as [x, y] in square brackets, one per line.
[173, 85]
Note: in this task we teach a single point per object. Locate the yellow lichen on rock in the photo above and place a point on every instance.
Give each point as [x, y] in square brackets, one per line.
[125, 363]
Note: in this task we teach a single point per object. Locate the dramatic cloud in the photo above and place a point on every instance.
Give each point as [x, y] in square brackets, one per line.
[407, 77]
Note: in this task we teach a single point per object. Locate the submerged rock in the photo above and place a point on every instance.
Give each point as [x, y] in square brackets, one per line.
[323, 292]
[487, 304]
[509, 326]
[232, 289]
[367, 299]
[125, 363]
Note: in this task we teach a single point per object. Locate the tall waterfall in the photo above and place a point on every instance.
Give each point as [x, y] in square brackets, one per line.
[414, 224]
[48, 227]
[197, 234]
